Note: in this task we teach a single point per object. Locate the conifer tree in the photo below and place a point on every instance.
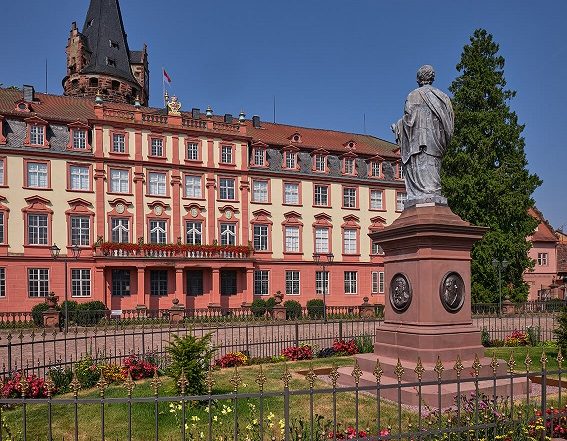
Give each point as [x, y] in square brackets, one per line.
[485, 176]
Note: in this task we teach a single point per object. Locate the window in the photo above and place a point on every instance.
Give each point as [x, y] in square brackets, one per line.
[37, 175]
[375, 169]
[377, 282]
[322, 240]
[260, 237]
[376, 202]
[38, 282]
[228, 282]
[158, 282]
[157, 184]
[259, 157]
[226, 154]
[322, 195]
[79, 139]
[37, 135]
[80, 177]
[542, 259]
[80, 230]
[290, 159]
[349, 197]
[228, 234]
[261, 282]
[156, 147]
[321, 282]
[377, 249]
[227, 188]
[119, 181]
[260, 191]
[400, 200]
[194, 232]
[37, 229]
[320, 163]
[349, 241]
[119, 143]
[193, 187]
[350, 282]
[2, 282]
[349, 166]
[292, 239]
[291, 193]
[1, 227]
[110, 62]
[80, 282]
[400, 170]
[120, 230]
[120, 282]
[192, 151]
[2, 172]
[158, 232]
[292, 282]
[113, 44]
[194, 283]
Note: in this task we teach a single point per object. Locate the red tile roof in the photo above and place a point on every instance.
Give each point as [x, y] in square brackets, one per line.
[544, 232]
[69, 109]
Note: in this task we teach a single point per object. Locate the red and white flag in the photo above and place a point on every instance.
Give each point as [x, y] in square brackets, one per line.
[166, 77]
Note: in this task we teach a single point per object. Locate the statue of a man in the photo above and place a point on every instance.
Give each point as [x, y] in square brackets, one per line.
[423, 134]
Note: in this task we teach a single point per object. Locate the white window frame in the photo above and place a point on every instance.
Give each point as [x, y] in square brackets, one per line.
[2, 172]
[157, 184]
[320, 163]
[401, 197]
[119, 143]
[79, 139]
[119, 180]
[349, 241]
[291, 239]
[349, 166]
[193, 232]
[192, 190]
[38, 282]
[322, 240]
[80, 177]
[322, 282]
[321, 192]
[290, 160]
[543, 259]
[259, 157]
[227, 233]
[226, 154]
[261, 282]
[259, 191]
[37, 134]
[349, 197]
[156, 148]
[120, 229]
[38, 229]
[291, 193]
[375, 169]
[376, 199]
[2, 282]
[80, 230]
[80, 282]
[38, 174]
[292, 283]
[261, 237]
[158, 231]
[227, 189]
[2, 226]
[351, 282]
[192, 151]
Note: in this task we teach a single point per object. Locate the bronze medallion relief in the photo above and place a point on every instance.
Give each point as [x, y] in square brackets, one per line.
[452, 292]
[400, 293]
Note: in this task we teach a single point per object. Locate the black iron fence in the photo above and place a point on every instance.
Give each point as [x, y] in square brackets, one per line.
[291, 402]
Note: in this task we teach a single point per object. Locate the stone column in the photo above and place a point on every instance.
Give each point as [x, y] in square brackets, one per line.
[214, 295]
[141, 293]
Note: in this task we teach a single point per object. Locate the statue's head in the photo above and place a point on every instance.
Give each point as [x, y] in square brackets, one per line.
[425, 75]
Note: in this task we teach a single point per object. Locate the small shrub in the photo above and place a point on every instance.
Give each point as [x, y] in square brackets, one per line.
[90, 313]
[87, 372]
[277, 358]
[12, 387]
[258, 307]
[37, 313]
[302, 352]
[192, 356]
[561, 331]
[485, 337]
[365, 344]
[61, 377]
[232, 359]
[326, 352]
[139, 367]
[342, 347]
[292, 309]
[516, 338]
[270, 303]
[534, 338]
[315, 308]
[496, 343]
[112, 373]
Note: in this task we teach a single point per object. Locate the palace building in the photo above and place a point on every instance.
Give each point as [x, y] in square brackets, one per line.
[148, 205]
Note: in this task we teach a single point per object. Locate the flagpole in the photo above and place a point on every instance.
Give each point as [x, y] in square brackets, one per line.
[163, 85]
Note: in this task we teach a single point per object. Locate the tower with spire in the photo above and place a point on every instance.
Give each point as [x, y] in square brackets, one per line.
[99, 60]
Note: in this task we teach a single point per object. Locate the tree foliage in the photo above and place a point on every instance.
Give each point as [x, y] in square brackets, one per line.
[485, 176]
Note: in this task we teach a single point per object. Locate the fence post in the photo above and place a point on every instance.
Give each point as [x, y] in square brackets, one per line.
[296, 334]
[9, 354]
[340, 329]
[247, 345]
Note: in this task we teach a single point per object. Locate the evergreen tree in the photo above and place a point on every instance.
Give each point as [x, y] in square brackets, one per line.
[485, 176]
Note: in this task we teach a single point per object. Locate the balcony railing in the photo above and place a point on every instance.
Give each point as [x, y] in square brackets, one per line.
[156, 251]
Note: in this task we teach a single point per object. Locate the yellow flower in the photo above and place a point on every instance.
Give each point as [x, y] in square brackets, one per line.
[270, 416]
[215, 418]
[195, 418]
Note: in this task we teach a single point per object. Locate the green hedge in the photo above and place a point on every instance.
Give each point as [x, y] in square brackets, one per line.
[292, 309]
[315, 308]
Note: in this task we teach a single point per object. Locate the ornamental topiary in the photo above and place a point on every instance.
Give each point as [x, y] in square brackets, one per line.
[292, 309]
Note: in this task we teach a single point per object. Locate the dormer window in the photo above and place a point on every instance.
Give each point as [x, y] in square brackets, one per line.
[90, 23]
[79, 139]
[290, 159]
[113, 44]
[399, 170]
[350, 144]
[37, 135]
[259, 157]
[375, 169]
[349, 166]
[296, 137]
[93, 82]
[110, 62]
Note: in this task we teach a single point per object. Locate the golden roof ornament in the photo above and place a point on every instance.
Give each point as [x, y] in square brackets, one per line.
[173, 106]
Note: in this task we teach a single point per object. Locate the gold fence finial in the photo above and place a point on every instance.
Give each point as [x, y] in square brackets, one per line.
[528, 361]
[356, 372]
[399, 370]
[458, 366]
[235, 379]
[378, 371]
[286, 376]
[511, 363]
[261, 379]
[419, 369]
[439, 368]
[334, 375]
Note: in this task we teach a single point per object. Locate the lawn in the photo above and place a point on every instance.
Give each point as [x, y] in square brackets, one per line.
[223, 412]
[520, 354]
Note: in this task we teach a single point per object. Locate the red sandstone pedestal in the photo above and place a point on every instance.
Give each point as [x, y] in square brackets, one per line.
[428, 246]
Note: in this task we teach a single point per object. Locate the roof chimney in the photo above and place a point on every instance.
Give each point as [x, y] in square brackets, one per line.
[29, 93]
[228, 118]
[256, 122]
[195, 113]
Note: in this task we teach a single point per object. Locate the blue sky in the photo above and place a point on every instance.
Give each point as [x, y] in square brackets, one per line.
[328, 63]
